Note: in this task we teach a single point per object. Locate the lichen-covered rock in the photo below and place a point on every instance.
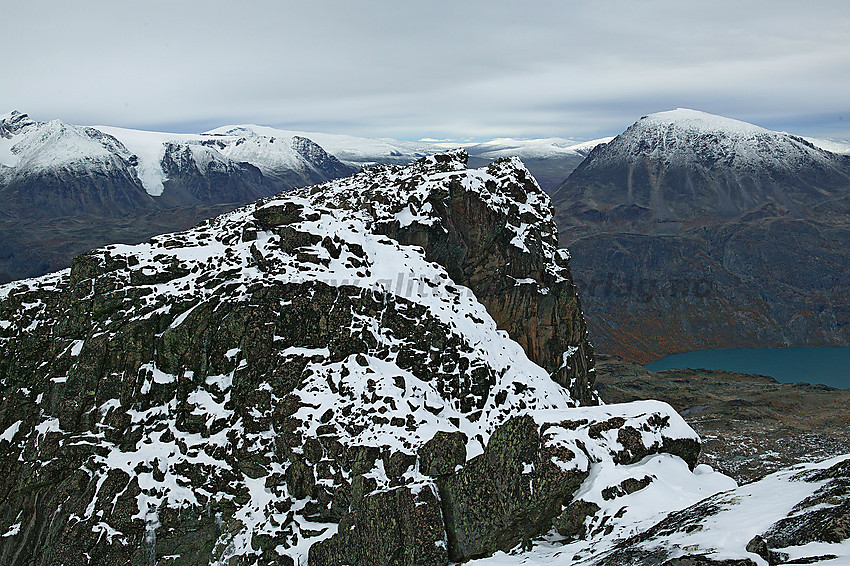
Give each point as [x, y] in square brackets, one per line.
[571, 522]
[443, 453]
[397, 527]
[505, 250]
[269, 381]
[505, 496]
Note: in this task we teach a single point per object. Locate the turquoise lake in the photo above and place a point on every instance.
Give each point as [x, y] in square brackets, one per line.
[829, 366]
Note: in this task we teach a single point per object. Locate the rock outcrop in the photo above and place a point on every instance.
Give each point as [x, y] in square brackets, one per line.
[290, 383]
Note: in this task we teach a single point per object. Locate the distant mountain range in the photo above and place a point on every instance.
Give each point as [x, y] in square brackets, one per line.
[687, 230]
[690, 231]
[65, 189]
[550, 160]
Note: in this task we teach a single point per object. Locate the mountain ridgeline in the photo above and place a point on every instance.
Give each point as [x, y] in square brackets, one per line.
[693, 231]
[65, 189]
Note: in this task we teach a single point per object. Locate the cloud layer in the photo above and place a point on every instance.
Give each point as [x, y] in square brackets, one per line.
[471, 69]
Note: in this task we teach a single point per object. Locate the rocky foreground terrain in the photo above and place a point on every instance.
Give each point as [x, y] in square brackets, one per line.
[391, 368]
[692, 231]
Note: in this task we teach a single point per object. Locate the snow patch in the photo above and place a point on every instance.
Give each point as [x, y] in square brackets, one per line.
[10, 432]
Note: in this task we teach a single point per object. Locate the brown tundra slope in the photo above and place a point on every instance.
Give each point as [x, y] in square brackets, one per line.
[691, 231]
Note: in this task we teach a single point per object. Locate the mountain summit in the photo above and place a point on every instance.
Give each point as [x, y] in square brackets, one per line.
[692, 231]
[685, 165]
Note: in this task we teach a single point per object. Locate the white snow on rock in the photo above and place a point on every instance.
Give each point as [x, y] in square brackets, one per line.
[352, 150]
[149, 147]
[543, 148]
[683, 136]
[10, 432]
[725, 517]
[841, 147]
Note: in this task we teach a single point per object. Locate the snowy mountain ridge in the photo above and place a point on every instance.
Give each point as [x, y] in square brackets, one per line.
[352, 150]
[683, 164]
[532, 148]
[683, 136]
[37, 147]
[31, 147]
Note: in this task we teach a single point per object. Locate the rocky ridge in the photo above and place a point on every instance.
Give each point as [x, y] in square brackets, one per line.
[304, 380]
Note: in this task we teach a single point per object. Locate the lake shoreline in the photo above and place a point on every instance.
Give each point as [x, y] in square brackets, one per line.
[819, 365]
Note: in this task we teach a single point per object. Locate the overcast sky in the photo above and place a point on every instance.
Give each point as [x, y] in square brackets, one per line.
[439, 69]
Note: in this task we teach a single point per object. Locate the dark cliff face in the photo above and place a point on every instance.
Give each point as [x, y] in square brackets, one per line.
[504, 248]
[290, 382]
[196, 174]
[323, 164]
[691, 231]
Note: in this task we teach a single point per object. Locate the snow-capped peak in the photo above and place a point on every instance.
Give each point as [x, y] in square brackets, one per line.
[689, 120]
[352, 150]
[39, 146]
[684, 136]
[532, 148]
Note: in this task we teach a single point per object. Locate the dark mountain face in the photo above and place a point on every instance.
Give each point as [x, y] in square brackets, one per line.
[685, 166]
[691, 231]
[199, 175]
[325, 164]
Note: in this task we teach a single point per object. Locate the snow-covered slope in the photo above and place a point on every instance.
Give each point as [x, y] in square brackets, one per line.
[290, 160]
[35, 149]
[684, 164]
[320, 378]
[149, 148]
[545, 148]
[791, 517]
[841, 147]
[684, 136]
[354, 151]
[50, 169]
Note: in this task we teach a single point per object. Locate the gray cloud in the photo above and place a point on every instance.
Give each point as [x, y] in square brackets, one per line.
[438, 69]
